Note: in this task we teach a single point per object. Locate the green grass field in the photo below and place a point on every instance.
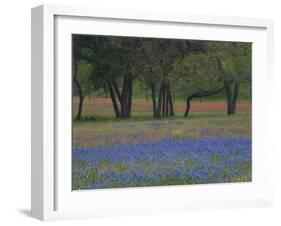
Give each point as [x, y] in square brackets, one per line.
[100, 127]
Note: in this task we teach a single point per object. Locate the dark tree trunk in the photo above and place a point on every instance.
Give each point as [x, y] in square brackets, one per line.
[187, 109]
[235, 96]
[171, 104]
[113, 98]
[123, 102]
[164, 101]
[167, 101]
[160, 101]
[228, 93]
[232, 97]
[81, 99]
[79, 91]
[79, 113]
[152, 86]
[116, 89]
[126, 97]
[130, 93]
[165, 106]
[199, 95]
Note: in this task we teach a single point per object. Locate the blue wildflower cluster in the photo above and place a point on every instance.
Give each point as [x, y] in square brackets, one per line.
[166, 162]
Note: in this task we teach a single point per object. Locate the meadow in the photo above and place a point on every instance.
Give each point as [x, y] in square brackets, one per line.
[207, 147]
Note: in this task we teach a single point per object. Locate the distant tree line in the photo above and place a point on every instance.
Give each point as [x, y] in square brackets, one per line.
[164, 66]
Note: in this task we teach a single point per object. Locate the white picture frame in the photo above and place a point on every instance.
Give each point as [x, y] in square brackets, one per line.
[52, 197]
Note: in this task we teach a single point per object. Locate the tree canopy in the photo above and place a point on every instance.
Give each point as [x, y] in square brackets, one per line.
[189, 68]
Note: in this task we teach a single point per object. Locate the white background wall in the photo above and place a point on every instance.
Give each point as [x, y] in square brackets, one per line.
[15, 111]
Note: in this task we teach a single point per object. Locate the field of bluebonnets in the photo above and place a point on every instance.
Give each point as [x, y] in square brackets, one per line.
[158, 111]
[111, 153]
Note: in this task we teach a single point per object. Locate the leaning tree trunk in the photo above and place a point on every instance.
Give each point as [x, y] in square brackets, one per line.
[81, 99]
[200, 95]
[79, 113]
[116, 89]
[124, 108]
[79, 91]
[187, 109]
[113, 99]
[159, 105]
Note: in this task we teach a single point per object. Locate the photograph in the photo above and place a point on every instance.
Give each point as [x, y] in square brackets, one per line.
[152, 111]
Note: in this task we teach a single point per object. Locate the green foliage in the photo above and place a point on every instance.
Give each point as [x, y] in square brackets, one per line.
[188, 66]
[84, 76]
[235, 58]
[221, 62]
[198, 73]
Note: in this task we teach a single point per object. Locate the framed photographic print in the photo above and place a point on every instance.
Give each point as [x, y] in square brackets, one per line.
[137, 112]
